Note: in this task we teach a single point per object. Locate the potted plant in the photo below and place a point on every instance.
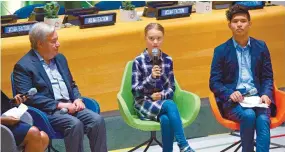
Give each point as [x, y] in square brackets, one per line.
[128, 12]
[51, 14]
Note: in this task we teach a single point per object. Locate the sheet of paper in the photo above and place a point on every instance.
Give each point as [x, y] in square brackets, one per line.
[16, 112]
[253, 101]
[23, 108]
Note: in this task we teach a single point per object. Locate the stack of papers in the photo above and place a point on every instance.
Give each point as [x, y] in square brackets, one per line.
[253, 101]
[16, 112]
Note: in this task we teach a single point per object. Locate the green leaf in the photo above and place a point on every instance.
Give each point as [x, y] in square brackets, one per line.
[127, 5]
[51, 9]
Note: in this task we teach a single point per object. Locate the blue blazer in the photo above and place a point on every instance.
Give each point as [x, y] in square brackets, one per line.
[29, 73]
[225, 70]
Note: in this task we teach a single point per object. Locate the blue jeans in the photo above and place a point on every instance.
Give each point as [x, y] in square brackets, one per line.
[251, 119]
[171, 125]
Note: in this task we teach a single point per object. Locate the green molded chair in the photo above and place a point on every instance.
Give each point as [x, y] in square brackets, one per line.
[188, 105]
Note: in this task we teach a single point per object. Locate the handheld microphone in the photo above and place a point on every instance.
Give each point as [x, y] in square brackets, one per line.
[249, 93]
[31, 92]
[156, 61]
[63, 110]
[155, 56]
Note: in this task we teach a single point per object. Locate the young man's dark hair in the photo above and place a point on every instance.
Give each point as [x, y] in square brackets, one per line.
[237, 9]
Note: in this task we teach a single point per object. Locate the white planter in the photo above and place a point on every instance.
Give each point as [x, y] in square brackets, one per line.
[203, 7]
[128, 15]
[56, 22]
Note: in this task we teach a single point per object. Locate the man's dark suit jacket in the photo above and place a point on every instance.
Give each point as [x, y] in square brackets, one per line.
[29, 73]
[225, 70]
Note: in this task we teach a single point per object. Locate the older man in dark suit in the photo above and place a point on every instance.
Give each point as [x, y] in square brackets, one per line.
[47, 70]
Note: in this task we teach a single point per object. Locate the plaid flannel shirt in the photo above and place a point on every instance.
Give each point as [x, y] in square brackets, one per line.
[143, 85]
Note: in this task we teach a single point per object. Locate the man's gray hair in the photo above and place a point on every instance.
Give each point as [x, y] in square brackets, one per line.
[39, 32]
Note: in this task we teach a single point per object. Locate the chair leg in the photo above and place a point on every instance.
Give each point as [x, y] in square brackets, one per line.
[148, 145]
[139, 146]
[238, 147]
[277, 145]
[229, 147]
[274, 144]
[50, 147]
[148, 142]
[233, 133]
[159, 143]
[153, 136]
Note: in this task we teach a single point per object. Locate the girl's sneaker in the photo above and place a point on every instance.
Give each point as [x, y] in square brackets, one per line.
[187, 149]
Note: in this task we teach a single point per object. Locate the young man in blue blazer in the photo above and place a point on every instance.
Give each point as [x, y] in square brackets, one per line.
[239, 65]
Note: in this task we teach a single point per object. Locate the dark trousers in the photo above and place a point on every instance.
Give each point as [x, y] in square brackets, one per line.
[74, 126]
